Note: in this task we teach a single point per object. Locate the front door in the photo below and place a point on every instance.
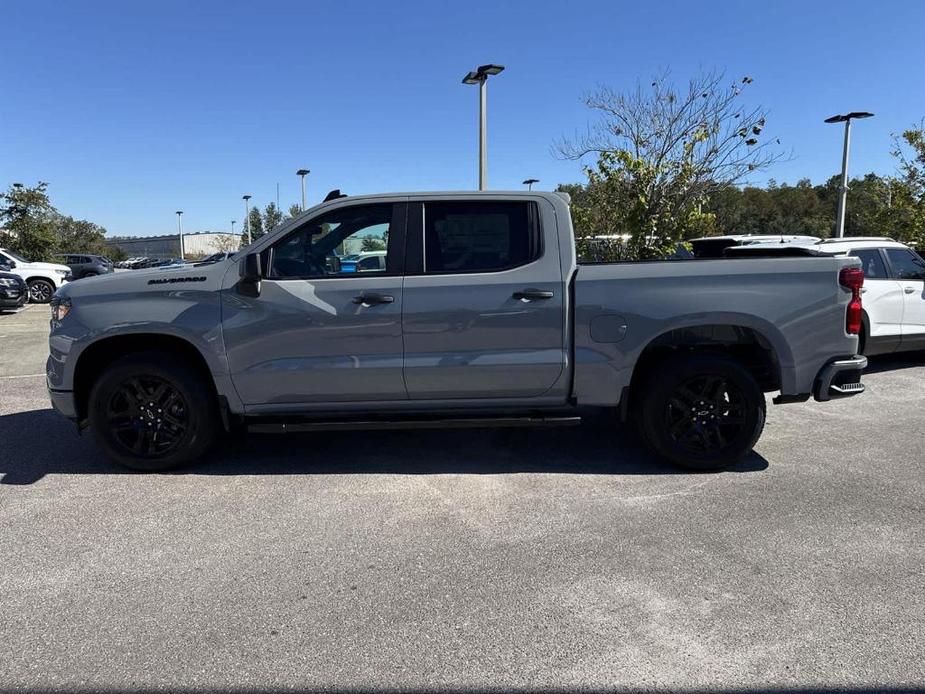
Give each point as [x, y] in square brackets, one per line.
[909, 269]
[315, 333]
[483, 301]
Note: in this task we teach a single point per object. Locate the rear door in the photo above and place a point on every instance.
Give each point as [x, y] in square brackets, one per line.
[883, 301]
[909, 270]
[483, 300]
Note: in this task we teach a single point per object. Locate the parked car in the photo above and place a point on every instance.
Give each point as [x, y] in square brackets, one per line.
[480, 317]
[14, 292]
[715, 246]
[83, 265]
[894, 293]
[43, 278]
[363, 262]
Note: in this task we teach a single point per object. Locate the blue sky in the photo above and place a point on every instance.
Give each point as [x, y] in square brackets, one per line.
[132, 110]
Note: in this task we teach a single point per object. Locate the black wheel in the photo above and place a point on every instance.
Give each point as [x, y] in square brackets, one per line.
[702, 412]
[41, 291]
[150, 412]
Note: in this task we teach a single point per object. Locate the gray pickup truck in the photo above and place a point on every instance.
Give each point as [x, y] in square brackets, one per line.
[480, 315]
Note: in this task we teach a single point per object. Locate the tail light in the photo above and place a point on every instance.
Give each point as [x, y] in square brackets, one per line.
[852, 279]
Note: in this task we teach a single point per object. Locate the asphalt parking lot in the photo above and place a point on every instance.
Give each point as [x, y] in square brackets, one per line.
[554, 559]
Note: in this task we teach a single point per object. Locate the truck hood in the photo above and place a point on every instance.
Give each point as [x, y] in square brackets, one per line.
[206, 277]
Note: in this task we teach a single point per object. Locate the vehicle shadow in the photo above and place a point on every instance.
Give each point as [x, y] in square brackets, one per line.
[893, 362]
[40, 442]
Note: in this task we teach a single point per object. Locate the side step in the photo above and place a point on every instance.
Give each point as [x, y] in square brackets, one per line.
[448, 423]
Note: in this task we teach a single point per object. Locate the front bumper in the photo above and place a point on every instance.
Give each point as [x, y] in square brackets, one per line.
[13, 297]
[63, 403]
[840, 378]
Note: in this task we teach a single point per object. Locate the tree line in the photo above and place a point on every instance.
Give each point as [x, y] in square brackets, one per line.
[31, 226]
[671, 164]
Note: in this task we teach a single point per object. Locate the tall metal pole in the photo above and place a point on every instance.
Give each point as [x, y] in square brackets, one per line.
[232, 226]
[483, 132]
[247, 217]
[843, 188]
[303, 194]
[180, 232]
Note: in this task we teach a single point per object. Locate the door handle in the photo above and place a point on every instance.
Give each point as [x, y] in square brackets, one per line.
[532, 294]
[370, 299]
[909, 290]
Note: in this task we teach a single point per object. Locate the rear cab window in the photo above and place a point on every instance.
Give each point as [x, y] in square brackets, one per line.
[479, 236]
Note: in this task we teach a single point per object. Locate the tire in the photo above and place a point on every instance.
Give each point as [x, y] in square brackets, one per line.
[150, 412]
[702, 412]
[40, 291]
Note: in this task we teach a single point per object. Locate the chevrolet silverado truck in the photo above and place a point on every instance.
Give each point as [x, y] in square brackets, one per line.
[480, 315]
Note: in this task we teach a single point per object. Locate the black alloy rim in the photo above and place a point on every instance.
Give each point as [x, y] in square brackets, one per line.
[148, 416]
[705, 414]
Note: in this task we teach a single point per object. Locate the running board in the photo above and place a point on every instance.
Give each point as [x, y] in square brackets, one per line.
[451, 423]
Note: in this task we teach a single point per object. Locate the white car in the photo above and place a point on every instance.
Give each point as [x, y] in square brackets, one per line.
[43, 278]
[893, 293]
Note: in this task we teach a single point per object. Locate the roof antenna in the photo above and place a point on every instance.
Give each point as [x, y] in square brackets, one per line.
[334, 195]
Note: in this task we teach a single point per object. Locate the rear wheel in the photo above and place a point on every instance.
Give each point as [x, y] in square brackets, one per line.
[150, 412]
[41, 291]
[702, 412]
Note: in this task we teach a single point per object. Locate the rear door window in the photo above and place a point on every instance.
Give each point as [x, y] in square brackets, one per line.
[872, 263]
[475, 236]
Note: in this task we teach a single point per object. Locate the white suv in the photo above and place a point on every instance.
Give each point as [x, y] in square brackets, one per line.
[43, 278]
[894, 292]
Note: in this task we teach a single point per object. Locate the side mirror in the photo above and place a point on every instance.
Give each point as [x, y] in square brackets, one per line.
[251, 270]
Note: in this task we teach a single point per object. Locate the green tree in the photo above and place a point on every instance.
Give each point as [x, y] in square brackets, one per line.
[906, 218]
[272, 217]
[79, 236]
[661, 152]
[371, 243]
[294, 210]
[26, 216]
[256, 226]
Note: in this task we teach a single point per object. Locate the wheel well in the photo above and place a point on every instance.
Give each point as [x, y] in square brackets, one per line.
[746, 345]
[94, 359]
[32, 279]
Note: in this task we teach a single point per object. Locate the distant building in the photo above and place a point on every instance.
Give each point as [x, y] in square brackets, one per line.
[168, 246]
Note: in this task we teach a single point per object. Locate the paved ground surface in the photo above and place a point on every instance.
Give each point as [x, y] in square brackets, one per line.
[466, 560]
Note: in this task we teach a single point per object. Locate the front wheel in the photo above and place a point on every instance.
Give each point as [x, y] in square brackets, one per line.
[41, 291]
[151, 412]
[702, 412]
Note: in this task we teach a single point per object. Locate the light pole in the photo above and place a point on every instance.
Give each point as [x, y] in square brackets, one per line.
[247, 216]
[180, 232]
[843, 188]
[480, 77]
[302, 173]
[530, 181]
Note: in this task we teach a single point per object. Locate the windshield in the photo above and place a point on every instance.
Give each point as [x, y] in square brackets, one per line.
[14, 256]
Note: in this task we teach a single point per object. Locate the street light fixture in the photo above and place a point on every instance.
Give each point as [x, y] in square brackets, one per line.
[480, 77]
[180, 232]
[302, 173]
[247, 216]
[232, 226]
[843, 188]
[530, 181]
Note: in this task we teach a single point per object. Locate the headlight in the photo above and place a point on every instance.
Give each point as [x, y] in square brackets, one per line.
[8, 282]
[62, 272]
[60, 308]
